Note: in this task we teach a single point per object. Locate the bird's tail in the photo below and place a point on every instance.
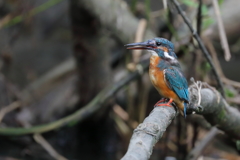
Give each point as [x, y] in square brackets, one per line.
[185, 109]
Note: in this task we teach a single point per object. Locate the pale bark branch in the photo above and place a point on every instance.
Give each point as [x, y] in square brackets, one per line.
[216, 111]
[222, 33]
[147, 134]
[213, 107]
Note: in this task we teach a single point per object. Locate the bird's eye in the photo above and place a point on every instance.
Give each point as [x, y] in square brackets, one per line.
[158, 43]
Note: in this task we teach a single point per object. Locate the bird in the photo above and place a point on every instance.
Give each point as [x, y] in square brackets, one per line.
[165, 72]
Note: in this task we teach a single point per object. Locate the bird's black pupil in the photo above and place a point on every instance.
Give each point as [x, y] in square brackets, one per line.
[158, 43]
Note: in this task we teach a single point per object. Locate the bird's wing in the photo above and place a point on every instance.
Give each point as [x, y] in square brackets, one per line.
[177, 82]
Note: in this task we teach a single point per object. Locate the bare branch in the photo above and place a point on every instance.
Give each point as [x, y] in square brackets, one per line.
[222, 32]
[199, 17]
[213, 107]
[147, 134]
[196, 152]
[215, 110]
[139, 37]
[80, 114]
[201, 45]
[217, 64]
[44, 143]
[9, 108]
[118, 19]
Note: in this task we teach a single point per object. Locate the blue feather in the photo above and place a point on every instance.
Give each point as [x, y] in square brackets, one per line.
[185, 110]
[177, 82]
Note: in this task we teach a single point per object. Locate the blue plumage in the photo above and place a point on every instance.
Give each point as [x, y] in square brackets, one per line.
[164, 66]
[178, 83]
[164, 42]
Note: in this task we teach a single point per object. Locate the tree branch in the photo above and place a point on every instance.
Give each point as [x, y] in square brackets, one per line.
[197, 151]
[94, 105]
[201, 45]
[199, 17]
[215, 110]
[115, 15]
[222, 33]
[212, 106]
[147, 134]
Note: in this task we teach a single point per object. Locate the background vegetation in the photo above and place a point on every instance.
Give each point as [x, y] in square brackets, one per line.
[65, 90]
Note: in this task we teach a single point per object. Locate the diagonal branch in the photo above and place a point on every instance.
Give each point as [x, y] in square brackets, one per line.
[197, 151]
[213, 107]
[215, 110]
[147, 134]
[80, 114]
[200, 43]
[223, 37]
[199, 18]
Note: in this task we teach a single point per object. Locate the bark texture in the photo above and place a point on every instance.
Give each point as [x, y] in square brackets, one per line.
[213, 107]
[147, 134]
[216, 111]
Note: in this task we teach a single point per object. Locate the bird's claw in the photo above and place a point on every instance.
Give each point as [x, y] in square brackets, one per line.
[160, 102]
[163, 104]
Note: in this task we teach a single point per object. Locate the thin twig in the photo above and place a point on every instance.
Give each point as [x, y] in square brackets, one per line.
[136, 58]
[217, 64]
[222, 32]
[201, 45]
[5, 20]
[124, 116]
[196, 152]
[80, 114]
[144, 86]
[139, 37]
[199, 17]
[9, 108]
[123, 129]
[44, 82]
[17, 19]
[42, 141]
[120, 112]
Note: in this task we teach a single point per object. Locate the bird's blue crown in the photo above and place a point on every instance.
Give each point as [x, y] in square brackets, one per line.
[165, 43]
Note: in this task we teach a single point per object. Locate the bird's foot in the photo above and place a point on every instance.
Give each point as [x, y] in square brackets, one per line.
[161, 100]
[159, 103]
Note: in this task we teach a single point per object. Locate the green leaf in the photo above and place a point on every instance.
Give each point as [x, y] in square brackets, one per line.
[204, 10]
[190, 3]
[229, 93]
[220, 2]
[207, 22]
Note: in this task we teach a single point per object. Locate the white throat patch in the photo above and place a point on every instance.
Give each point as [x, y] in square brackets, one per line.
[168, 56]
[153, 53]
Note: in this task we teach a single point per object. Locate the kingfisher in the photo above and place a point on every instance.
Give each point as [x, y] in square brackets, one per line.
[165, 72]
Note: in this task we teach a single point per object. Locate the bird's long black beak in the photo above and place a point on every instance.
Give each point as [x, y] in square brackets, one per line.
[149, 45]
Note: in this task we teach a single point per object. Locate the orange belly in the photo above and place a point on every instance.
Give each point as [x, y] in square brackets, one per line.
[157, 78]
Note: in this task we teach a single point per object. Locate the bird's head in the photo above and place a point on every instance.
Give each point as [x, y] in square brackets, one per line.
[157, 46]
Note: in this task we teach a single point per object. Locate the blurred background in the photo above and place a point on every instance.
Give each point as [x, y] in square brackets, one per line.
[57, 55]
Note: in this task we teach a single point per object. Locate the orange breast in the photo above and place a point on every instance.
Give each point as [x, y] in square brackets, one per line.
[157, 78]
